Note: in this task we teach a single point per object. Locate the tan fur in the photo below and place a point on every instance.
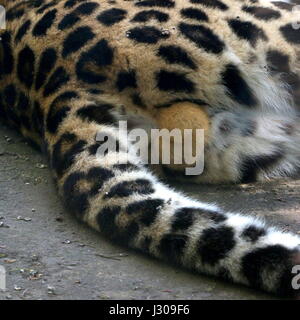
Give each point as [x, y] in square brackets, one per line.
[183, 115]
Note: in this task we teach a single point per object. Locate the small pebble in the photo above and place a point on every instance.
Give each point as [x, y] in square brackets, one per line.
[50, 290]
[24, 219]
[10, 260]
[41, 166]
[2, 225]
[17, 288]
[35, 257]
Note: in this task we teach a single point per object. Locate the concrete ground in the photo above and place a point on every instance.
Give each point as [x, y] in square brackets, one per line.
[49, 255]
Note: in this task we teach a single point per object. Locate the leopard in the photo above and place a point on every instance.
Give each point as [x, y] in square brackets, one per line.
[73, 69]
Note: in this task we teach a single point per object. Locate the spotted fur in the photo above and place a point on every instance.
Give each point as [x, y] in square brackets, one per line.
[68, 70]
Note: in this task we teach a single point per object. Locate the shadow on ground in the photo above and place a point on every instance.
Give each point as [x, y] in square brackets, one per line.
[49, 255]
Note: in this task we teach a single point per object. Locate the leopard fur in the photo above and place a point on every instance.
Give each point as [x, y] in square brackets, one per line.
[71, 68]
